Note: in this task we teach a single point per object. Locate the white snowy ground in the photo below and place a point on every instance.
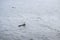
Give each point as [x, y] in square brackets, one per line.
[42, 19]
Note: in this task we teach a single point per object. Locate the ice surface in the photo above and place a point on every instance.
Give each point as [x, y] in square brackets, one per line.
[42, 19]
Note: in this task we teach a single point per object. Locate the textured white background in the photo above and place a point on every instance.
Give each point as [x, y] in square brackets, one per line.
[42, 18]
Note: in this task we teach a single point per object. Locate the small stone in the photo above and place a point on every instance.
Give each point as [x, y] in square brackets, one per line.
[22, 25]
[13, 7]
[31, 39]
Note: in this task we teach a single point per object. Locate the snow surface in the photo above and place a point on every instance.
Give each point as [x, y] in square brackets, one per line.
[42, 19]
